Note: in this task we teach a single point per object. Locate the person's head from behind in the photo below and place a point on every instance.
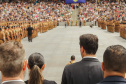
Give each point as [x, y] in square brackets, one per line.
[12, 60]
[114, 61]
[36, 65]
[72, 58]
[88, 44]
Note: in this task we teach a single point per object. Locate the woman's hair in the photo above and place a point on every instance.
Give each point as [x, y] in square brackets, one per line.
[35, 62]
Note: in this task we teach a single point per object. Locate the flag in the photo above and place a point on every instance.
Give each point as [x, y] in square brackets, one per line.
[75, 1]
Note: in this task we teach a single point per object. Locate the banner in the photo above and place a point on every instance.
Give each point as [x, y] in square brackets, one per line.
[75, 1]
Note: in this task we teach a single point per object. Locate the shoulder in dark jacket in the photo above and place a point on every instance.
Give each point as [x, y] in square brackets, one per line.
[45, 82]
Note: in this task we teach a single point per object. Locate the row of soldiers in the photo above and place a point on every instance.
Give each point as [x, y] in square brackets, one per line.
[77, 22]
[113, 26]
[18, 30]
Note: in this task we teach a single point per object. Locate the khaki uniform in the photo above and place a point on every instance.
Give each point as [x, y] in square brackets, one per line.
[71, 62]
[84, 22]
[117, 26]
[11, 34]
[123, 31]
[111, 26]
[72, 23]
[67, 23]
[76, 22]
[7, 36]
[2, 37]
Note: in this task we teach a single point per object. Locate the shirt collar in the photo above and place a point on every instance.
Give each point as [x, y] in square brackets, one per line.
[88, 57]
[12, 81]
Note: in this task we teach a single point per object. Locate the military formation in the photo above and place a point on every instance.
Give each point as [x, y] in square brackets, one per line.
[15, 18]
[18, 30]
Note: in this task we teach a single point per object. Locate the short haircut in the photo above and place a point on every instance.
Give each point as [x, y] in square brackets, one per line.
[12, 57]
[72, 57]
[114, 58]
[89, 42]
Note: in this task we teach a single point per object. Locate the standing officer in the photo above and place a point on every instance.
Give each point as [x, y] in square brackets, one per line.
[29, 29]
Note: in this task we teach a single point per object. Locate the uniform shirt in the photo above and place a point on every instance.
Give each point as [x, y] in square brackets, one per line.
[71, 62]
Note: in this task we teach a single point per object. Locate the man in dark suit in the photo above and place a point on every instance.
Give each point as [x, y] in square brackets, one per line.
[0, 78]
[114, 65]
[29, 29]
[88, 70]
[12, 62]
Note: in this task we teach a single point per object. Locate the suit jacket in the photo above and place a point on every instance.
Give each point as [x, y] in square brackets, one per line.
[14, 82]
[113, 80]
[29, 29]
[87, 71]
[45, 82]
[0, 80]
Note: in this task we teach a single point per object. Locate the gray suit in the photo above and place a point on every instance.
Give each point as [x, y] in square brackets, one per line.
[87, 71]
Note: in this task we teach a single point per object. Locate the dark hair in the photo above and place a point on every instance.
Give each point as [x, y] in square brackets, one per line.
[35, 62]
[114, 58]
[72, 57]
[89, 42]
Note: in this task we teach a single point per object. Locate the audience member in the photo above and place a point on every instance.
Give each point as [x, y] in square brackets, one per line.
[36, 65]
[114, 65]
[12, 62]
[72, 60]
[88, 70]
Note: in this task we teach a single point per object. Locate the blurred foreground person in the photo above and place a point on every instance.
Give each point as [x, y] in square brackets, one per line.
[88, 70]
[12, 62]
[36, 65]
[114, 65]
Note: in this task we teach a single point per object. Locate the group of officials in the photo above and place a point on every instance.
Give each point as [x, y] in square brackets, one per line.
[89, 70]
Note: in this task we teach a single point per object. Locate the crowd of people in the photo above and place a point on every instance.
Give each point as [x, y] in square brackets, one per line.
[92, 12]
[89, 70]
[35, 11]
[15, 18]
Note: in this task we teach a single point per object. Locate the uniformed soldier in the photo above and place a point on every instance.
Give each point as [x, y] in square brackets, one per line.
[67, 22]
[84, 22]
[76, 22]
[71, 22]
[10, 33]
[7, 36]
[2, 36]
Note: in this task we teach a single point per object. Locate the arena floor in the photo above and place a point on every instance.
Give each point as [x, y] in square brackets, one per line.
[58, 44]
